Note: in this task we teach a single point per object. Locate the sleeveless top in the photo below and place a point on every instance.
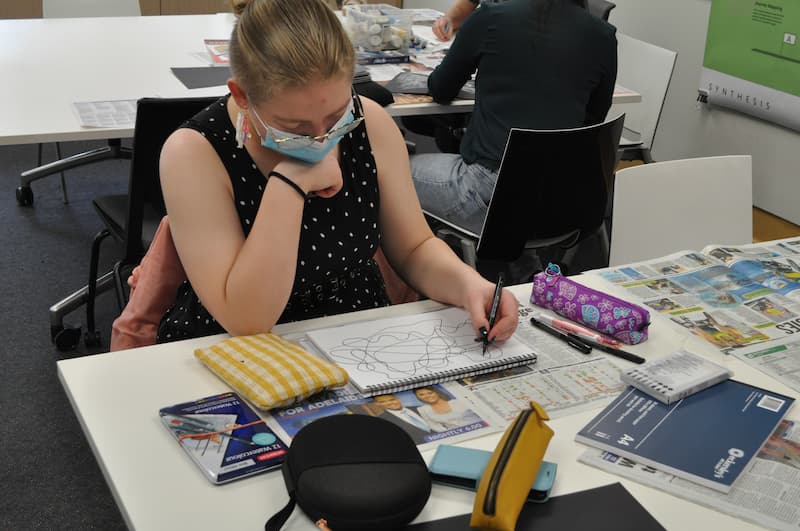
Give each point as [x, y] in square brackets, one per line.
[339, 236]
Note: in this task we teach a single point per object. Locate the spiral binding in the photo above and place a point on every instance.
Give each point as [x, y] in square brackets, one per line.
[405, 384]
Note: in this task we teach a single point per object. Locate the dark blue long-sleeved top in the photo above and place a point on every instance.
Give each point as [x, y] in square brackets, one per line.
[555, 75]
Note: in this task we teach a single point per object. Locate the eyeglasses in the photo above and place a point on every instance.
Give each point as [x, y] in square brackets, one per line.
[354, 113]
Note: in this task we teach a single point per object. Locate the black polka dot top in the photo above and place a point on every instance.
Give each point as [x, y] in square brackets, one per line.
[335, 270]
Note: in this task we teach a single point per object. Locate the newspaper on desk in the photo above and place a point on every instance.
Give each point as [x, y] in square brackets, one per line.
[744, 300]
[117, 114]
[563, 381]
[766, 494]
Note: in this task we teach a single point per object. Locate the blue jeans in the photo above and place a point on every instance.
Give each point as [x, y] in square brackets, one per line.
[451, 189]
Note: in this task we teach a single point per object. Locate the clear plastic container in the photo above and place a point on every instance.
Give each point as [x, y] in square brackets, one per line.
[378, 28]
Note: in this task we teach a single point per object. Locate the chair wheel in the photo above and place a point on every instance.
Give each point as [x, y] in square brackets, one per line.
[91, 338]
[67, 339]
[24, 196]
[54, 330]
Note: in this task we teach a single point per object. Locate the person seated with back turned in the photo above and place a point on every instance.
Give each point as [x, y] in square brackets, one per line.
[542, 64]
[284, 225]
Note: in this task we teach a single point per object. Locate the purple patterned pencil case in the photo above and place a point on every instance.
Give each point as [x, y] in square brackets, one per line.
[622, 320]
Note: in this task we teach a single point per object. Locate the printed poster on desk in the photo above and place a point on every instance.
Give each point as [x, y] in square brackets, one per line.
[707, 438]
[429, 414]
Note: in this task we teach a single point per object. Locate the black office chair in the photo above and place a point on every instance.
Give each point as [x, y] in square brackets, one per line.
[131, 218]
[24, 193]
[600, 8]
[552, 192]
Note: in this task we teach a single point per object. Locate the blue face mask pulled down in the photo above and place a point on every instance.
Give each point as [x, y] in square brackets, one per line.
[306, 148]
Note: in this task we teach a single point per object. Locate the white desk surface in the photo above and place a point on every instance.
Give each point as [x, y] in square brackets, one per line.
[117, 397]
[47, 64]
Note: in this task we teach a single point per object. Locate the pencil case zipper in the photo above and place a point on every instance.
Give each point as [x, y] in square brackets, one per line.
[490, 502]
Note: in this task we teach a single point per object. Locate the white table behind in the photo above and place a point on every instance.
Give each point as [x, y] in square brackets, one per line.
[47, 64]
[50, 63]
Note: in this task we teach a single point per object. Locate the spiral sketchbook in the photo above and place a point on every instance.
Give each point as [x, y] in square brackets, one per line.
[399, 353]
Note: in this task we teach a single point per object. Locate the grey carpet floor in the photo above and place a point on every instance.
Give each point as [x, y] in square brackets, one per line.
[50, 479]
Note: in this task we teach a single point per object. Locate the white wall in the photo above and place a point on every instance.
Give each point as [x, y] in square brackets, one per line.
[687, 129]
[441, 5]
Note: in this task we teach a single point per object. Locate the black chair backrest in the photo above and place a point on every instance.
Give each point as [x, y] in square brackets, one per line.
[600, 8]
[156, 119]
[550, 183]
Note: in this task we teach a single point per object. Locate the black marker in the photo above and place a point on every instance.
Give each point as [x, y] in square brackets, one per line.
[614, 351]
[498, 290]
[570, 339]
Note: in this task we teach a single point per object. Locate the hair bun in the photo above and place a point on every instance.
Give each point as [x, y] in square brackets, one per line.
[239, 6]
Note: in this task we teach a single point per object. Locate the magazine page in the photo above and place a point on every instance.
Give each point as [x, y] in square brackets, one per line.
[775, 265]
[766, 494]
[561, 391]
[563, 381]
[728, 306]
[743, 300]
[785, 248]
[779, 359]
[429, 414]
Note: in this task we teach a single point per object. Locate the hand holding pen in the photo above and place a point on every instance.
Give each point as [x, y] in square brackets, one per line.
[496, 324]
[498, 290]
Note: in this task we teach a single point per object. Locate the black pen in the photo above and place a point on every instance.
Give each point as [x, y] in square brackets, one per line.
[498, 290]
[614, 351]
[570, 339]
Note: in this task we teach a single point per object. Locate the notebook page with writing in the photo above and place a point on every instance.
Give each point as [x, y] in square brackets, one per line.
[394, 354]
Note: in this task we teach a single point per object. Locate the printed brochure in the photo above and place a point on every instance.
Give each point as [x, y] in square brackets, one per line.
[224, 436]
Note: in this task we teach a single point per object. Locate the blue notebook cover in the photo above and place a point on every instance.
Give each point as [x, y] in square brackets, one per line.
[224, 436]
[708, 438]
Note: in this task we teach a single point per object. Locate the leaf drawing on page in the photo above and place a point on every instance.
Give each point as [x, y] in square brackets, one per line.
[407, 350]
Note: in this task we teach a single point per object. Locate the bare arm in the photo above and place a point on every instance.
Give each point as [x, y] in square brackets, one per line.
[426, 262]
[445, 27]
[244, 283]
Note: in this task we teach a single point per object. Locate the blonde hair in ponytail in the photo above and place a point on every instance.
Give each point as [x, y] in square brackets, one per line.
[285, 43]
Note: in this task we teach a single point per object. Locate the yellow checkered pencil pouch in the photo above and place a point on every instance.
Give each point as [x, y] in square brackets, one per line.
[269, 370]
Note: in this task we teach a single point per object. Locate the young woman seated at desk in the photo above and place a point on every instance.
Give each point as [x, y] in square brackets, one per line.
[280, 193]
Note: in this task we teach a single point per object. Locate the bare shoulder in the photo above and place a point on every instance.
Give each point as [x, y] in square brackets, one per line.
[188, 156]
[376, 117]
[384, 135]
[183, 146]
